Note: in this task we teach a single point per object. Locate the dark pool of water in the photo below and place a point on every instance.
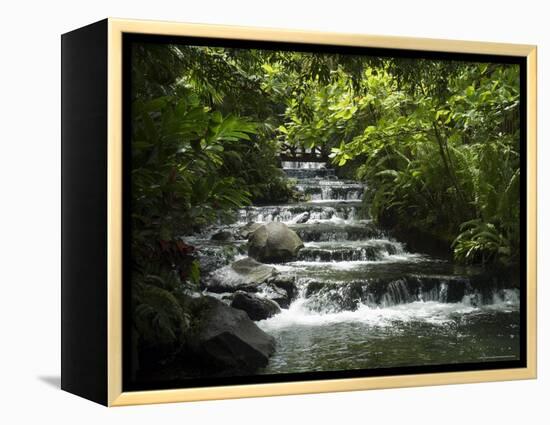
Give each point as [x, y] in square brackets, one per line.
[431, 337]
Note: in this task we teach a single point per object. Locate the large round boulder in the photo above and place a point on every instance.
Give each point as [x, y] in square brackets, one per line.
[226, 339]
[274, 243]
[246, 274]
[257, 308]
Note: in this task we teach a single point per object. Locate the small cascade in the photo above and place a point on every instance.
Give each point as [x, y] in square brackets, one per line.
[291, 213]
[330, 189]
[309, 173]
[371, 250]
[303, 165]
[319, 183]
[332, 296]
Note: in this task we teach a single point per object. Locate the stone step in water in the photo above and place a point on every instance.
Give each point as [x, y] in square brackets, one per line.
[336, 191]
[371, 250]
[303, 165]
[392, 267]
[305, 173]
[327, 232]
[327, 182]
[293, 212]
[346, 286]
[336, 296]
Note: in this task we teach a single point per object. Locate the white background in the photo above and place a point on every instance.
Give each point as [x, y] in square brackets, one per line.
[30, 212]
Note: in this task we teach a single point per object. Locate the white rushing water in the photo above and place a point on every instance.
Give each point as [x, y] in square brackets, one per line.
[303, 165]
[339, 253]
[433, 312]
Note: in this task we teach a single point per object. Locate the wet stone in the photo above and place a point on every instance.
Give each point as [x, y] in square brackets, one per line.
[246, 274]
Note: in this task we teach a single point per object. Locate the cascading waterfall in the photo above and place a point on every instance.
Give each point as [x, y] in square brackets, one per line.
[344, 254]
[291, 213]
[364, 301]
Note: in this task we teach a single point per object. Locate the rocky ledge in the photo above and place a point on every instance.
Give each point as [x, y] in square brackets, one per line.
[227, 339]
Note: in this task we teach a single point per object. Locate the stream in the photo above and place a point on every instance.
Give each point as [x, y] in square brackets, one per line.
[363, 300]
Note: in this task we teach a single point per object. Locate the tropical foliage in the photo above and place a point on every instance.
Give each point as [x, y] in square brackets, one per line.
[425, 136]
[442, 154]
[437, 143]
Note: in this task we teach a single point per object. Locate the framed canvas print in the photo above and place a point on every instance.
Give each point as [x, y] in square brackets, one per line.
[252, 212]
